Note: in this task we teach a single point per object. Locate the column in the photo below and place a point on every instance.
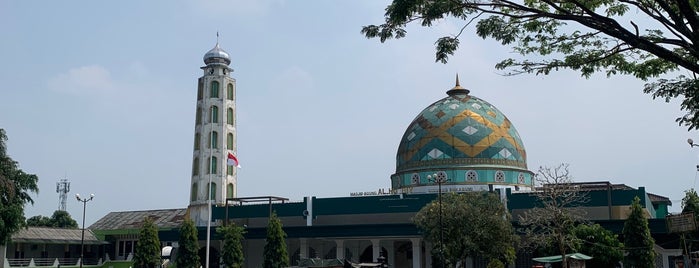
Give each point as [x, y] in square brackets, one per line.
[428, 255]
[390, 254]
[340, 249]
[417, 249]
[303, 248]
[376, 249]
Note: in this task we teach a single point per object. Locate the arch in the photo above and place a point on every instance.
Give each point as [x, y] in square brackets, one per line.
[230, 190]
[197, 140]
[195, 166]
[193, 196]
[214, 89]
[229, 116]
[229, 141]
[213, 139]
[366, 255]
[229, 92]
[214, 114]
[197, 119]
[212, 168]
[211, 193]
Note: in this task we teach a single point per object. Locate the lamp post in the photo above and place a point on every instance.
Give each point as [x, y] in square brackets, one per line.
[435, 178]
[82, 236]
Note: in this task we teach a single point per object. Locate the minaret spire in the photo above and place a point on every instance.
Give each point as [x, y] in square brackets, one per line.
[457, 89]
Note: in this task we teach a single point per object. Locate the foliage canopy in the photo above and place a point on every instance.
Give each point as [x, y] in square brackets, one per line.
[147, 251]
[15, 189]
[637, 239]
[600, 243]
[188, 252]
[645, 39]
[232, 252]
[275, 253]
[473, 224]
[59, 219]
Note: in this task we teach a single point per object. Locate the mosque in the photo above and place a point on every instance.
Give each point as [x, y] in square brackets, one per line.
[458, 143]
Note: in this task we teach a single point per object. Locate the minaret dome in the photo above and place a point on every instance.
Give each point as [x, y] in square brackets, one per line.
[217, 55]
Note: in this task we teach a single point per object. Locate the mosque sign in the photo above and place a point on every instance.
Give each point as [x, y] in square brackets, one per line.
[681, 223]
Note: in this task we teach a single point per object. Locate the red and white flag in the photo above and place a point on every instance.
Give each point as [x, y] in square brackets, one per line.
[233, 161]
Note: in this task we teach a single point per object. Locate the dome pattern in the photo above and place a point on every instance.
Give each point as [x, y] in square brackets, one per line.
[465, 137]
[462, 130]
[217, 55]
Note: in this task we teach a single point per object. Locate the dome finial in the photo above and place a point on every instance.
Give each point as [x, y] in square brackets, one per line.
[217, 41]
[457, 89]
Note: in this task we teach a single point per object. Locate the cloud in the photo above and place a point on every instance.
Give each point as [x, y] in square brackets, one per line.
[85, 80]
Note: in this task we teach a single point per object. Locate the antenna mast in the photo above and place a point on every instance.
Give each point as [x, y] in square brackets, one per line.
[62, 188]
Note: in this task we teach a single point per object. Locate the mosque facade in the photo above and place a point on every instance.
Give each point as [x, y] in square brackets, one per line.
[456, 144]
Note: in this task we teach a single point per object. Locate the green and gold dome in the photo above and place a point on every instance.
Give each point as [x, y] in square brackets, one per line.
[464, 141]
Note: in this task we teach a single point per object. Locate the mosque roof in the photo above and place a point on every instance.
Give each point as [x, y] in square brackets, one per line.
[460, 130]
[49, 235]
[163, 218]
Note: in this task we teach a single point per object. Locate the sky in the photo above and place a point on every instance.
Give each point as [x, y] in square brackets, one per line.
[103, 94]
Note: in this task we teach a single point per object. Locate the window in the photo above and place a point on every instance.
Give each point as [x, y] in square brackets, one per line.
[521, 179]
[214, 89]
[194, 192]
[230, 190]
[212, 191]
[471, 176]
[499, 176]
[213, 139]
[200, 89]
[197, 141]
[229, 141]
[212, 167]
[229, 116]
[195, 166]
[415, 179]
[214, 114]
[197, 120]
[229, 92]
[230, 170]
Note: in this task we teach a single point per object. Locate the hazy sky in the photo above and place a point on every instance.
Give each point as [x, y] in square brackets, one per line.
[103, 93]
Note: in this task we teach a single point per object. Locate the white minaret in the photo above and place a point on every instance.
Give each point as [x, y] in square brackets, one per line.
[214, 137]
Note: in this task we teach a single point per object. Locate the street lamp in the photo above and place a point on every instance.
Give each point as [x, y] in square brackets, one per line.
[691, 143]
[436, 178]
[82, 236]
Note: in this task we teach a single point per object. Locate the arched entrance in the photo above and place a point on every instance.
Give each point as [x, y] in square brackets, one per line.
[214, 257]
[366, 255]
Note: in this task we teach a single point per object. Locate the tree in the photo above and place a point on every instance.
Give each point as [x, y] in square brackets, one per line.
[600, 243]
[656, 38]
[59, 219]
[637, 238]
[188, 252]
[39, 221]
[147, 251]
[15, 189]
[690, 204]
[473, 224]
[275, 253]
[232, 252]
[551, 222]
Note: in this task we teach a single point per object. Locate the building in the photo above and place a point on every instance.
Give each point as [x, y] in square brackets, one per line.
[458, 143]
